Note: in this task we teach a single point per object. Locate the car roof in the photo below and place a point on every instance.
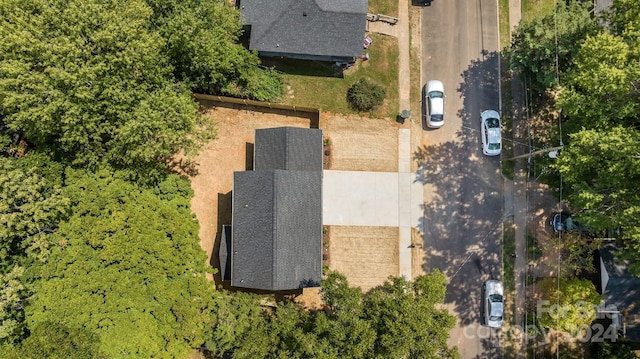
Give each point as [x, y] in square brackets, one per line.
[435, 85]
[494, 135]
[436, 106]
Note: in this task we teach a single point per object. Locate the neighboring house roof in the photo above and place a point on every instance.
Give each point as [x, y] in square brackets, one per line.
[276, 229]
[288, 148]
[620, 289]
[601, 6]
[327, 29]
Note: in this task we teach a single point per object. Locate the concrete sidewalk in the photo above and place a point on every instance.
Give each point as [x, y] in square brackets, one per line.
[409, 188]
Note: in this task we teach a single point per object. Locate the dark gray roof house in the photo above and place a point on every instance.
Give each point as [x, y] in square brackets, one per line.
[276, 229]
[323, 30]
[620, 292]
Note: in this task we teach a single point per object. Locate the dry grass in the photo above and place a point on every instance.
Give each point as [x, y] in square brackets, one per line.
[367, 256]
[362, 144]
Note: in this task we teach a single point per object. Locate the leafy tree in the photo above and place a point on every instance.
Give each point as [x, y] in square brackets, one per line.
[600, 91]
[397, 320]
[601, 169]
[623, 18]
[406, 319]
[30, 208]
[619, 350]
[234, 315]
[364, 95]
[202, 40]
[127, 267]
[577, 252]
[89, 79]
[570, 307]
[54, 340]
[343, 326]
[284, 333]
[12, 295]
[535, 44]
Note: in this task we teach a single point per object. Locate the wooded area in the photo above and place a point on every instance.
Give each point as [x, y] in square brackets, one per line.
[591, 100]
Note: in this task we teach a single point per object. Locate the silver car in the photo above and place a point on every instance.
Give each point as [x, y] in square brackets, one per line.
[490, 130]
[434, 101]
[493, 299]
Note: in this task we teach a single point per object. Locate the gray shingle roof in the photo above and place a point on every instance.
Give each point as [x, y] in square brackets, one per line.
[621, 290]
[306, 27]
[288, 148]
[277, 229]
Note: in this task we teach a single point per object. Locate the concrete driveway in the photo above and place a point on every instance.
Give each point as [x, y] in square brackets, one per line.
[356, 198]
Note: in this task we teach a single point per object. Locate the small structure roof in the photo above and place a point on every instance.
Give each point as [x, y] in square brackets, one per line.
[288, 148]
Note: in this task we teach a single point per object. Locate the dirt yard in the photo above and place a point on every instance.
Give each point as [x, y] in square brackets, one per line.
[361, 144]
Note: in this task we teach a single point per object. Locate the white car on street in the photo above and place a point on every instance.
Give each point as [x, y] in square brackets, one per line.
[434, 102]
[493, 299]
[491, 132]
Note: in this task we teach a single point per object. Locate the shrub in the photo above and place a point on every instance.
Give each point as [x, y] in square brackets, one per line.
[365, 95]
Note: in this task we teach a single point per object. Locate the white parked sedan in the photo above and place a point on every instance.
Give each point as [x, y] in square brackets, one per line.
[434, 101]
[491, 132]
[493, 298]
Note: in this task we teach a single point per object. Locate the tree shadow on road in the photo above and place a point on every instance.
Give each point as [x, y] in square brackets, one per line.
[462, 220]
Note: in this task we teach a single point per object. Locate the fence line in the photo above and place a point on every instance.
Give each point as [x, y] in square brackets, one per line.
[314, 119]
[246, 102]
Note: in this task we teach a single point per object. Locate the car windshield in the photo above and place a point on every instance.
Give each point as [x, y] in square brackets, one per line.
[495, 318]
[437, 118]
[493, 123]
[495, 298]
[436, 94]
[570, 224]
[494, 146]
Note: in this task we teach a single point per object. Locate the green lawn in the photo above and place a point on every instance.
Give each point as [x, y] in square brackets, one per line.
[322, 85]
[531, 8]
[505, 37]
[384, 7]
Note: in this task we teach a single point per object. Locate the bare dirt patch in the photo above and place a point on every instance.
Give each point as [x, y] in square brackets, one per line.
[367, 256]
[362, 144]
[231, 151]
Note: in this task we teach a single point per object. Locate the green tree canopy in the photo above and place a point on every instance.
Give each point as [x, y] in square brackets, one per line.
[13, 294]
[202, 41]
[406, 319]
[623, 18]
[535, 44]
[601, 90]
[397, 320]
[127, 267]
[569, 308]
[30, 208]
[53, 340]
[89, 79]
[602, 169]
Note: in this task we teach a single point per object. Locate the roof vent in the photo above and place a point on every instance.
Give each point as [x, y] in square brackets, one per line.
[304, 13]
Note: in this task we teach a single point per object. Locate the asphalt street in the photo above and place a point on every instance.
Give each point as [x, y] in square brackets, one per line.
[463, 196]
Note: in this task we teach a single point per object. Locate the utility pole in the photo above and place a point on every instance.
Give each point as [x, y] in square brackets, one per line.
[545, 150]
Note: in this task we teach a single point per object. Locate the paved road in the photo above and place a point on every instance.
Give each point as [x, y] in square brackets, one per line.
[463, 188]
